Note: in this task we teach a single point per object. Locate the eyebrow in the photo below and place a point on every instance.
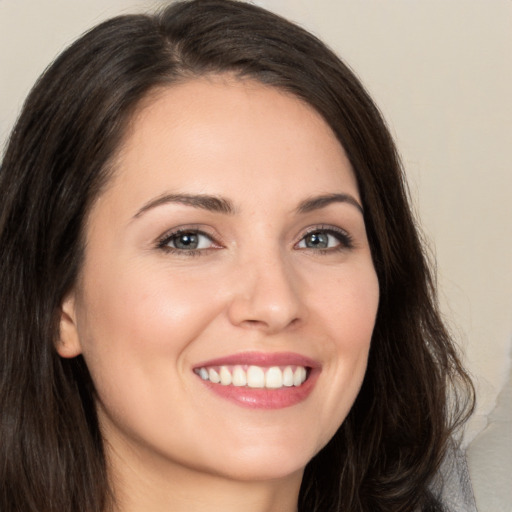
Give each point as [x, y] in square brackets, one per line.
[222, 205]
[205, 202]
[318, 202]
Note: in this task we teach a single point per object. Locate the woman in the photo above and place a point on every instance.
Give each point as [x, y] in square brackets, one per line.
[213, 292]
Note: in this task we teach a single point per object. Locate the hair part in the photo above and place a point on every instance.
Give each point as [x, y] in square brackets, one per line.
[58, 160]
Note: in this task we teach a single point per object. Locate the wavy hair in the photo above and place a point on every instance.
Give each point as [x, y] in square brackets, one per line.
[415, 392]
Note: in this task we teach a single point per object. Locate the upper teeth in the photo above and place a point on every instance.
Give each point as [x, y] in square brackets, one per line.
[273, 377]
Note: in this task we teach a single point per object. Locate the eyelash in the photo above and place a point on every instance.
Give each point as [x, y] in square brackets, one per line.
[164, 241]
[344, 239]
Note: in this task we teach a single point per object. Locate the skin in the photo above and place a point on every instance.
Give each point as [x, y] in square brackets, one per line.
[143, 316]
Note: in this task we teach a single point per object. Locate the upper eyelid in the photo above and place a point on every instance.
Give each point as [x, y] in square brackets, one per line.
[324, 227]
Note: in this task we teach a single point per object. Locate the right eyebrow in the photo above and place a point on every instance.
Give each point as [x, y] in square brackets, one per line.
[203, 201]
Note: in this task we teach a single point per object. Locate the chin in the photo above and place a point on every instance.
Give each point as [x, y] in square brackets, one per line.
[258, 471]
[266, 463]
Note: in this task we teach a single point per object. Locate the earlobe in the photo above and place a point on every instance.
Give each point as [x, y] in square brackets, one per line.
[68, 343]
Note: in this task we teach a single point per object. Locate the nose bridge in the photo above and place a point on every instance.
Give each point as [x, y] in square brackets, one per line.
[267, 292]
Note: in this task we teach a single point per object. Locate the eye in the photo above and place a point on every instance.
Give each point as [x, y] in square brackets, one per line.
[325, 239]
[186, 241]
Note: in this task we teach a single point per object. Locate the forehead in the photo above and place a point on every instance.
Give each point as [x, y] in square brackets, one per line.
[220, 135]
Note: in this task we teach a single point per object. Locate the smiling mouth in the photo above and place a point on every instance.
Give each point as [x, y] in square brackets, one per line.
[255, 377]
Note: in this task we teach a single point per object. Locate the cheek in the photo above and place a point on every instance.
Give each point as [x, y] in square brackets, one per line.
[348, 306]
[137, 328]
[140, 313]
[347, 310]
[357, 309]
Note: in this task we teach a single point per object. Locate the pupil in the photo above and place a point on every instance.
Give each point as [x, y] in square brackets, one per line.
[187, 241]
[317, 240]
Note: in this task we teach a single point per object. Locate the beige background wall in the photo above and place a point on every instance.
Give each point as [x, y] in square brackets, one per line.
[441, 72]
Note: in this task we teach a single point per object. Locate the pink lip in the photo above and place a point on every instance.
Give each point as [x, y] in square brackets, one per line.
[264, 398]
[262, 359]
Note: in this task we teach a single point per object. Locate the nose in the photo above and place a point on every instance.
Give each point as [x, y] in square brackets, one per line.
[266, 296]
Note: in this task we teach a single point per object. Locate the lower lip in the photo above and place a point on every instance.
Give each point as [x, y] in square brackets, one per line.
[263, 398]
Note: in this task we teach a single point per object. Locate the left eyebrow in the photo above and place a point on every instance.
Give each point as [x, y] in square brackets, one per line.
[315, 203]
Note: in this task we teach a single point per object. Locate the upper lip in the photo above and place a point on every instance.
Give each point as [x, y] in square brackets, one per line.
[262, 359]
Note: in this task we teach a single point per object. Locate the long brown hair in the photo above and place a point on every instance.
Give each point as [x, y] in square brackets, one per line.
[415, 392]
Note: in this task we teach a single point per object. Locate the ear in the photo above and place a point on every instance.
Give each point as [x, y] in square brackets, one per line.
[68, 343]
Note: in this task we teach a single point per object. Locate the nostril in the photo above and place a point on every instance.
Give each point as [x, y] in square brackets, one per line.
[253, 323]
[258, 324]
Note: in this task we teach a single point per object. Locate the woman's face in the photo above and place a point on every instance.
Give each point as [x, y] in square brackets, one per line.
[230, 244]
